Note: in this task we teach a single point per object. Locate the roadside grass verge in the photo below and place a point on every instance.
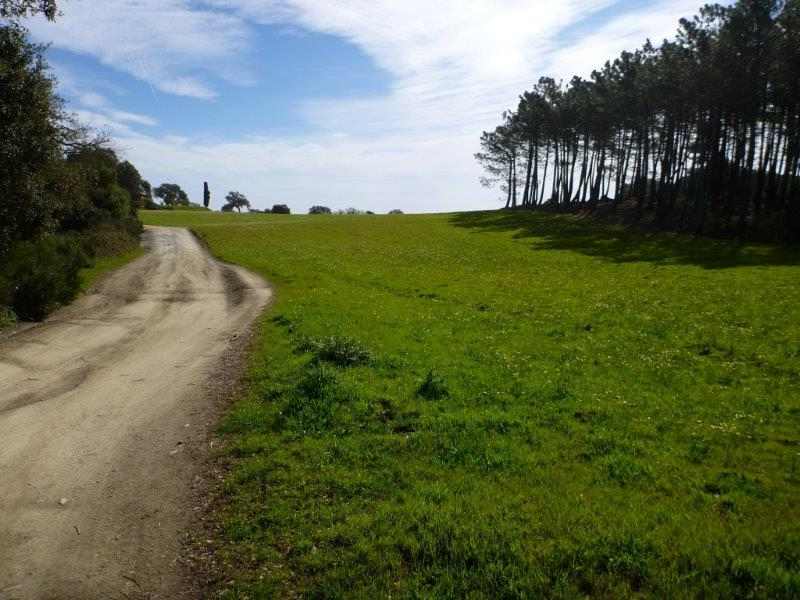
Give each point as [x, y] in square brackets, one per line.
[106, 264]
[511, 405]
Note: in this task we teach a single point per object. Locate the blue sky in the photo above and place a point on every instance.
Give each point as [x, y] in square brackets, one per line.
[376, 104]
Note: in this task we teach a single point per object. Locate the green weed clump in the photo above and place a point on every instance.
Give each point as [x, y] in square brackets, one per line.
[654, 453]
[340, 351]
[434, 387]
[311, 405]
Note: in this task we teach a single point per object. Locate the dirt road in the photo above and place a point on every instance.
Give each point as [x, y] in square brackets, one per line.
[104, 411]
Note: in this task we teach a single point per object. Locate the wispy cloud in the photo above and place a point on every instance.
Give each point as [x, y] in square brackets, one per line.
[455, 64]
[94, 109]
[170, 44]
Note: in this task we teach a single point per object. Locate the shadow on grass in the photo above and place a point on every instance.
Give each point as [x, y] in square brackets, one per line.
[625, 245]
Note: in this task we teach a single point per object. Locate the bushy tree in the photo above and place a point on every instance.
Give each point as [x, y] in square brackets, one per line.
[98, 169]
[171, 195]
[319, 210]
[236, 200]
[30, 133]
[281, 209]
[131, 181]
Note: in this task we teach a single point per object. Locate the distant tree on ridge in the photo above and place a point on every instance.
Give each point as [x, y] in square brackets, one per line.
[236, 200]
[171, 194]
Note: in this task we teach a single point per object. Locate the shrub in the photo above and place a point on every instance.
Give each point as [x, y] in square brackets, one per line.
[434, 387]
[396, 211]
[43, 274]
[626, 471]
[114, 200]
[318, 382]
[7, 317]
[281, 209]
[319, 210]
[190, 207]
[340, 351]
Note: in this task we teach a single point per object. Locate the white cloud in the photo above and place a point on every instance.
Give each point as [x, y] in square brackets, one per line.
[163, 42]
[135, 118]
[94, 109]
[103, 122]
[92, 100]
[456, 63]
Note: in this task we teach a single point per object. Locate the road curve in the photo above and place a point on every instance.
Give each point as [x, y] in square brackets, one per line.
[104, 410]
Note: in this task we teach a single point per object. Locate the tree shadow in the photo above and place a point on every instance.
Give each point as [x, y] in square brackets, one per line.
[620, 244]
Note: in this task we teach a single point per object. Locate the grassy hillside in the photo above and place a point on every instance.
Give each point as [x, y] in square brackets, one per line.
[510, 405]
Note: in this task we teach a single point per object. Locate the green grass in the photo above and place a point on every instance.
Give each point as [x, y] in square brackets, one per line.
[509, 405]
[104, 265]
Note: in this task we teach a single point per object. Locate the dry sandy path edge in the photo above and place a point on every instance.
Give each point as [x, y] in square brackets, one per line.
[105, 411]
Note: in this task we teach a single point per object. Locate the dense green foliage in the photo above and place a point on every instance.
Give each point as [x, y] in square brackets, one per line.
[29, 139]
[43, 274]
[702, 132]
[139, 190]
[511, 405]
[64, 199]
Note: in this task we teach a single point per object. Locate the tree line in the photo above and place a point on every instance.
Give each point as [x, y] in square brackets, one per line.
[701, 133]
[65, 196]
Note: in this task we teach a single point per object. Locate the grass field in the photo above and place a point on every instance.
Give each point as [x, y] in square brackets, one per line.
[509, 405]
